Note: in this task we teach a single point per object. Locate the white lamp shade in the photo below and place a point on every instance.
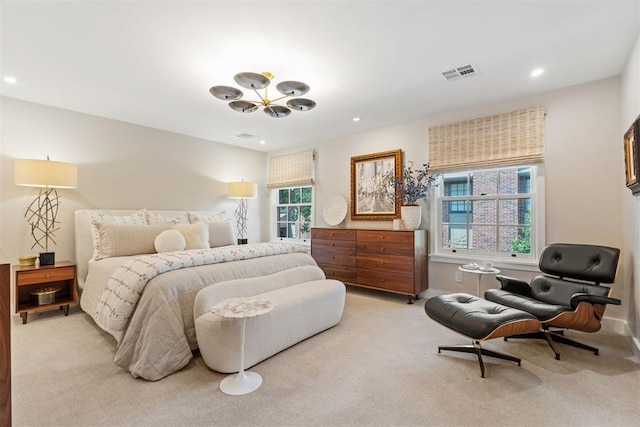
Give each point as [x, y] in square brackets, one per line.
[242, 190]
[45, 173]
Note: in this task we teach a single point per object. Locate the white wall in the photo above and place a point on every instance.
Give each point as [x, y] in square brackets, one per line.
[630, 89]
[120, 166]
[583, 164]
[128, 166]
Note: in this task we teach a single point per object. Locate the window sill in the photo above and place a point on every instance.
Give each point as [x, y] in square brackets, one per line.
[501, 263]
[303, 242]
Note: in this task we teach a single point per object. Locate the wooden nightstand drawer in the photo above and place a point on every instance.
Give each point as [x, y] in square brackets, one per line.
[45, 275]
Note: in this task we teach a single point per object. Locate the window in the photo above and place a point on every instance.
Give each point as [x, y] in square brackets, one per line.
[293, 212]
[488, 212]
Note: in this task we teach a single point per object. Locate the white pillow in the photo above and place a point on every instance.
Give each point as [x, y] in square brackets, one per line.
[205, 217]
[170, 241]
[154, 218]
[196, 235]
[124, 239]
[221, 233]
[95, 218]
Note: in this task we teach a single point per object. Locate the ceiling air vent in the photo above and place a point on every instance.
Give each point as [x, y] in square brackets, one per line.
[460, 72]
[246, 136]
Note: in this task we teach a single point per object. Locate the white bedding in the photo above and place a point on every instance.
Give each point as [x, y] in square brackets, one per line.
[156, 333]
[160, 335]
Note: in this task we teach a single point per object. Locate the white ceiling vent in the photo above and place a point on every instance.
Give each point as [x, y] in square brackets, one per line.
[246, 136]
[460, 72]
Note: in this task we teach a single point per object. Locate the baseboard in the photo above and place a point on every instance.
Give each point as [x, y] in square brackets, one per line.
[621, 327]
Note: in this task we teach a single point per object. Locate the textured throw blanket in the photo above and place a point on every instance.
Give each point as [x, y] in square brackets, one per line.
[127, 282]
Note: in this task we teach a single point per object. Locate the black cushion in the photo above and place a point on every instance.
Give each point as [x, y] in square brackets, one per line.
[581, 262]
[470, 315]
[547, 298]
[556, 291]
[541, 310]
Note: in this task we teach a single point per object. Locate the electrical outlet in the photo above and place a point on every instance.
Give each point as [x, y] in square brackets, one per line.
[459, 276]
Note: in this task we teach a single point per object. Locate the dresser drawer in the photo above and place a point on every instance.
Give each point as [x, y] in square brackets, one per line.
[391, 263]
[347, 275]
[45, 275]
[385, 280]
[334, 252]
[385, 243]
[332, 234]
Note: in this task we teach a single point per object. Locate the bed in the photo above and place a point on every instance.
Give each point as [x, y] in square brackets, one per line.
[145, 299]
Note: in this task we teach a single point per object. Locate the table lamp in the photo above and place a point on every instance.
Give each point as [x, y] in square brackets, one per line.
[42, 212]
[243, 191]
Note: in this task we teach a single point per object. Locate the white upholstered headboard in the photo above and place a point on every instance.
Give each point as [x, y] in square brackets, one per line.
[84, 241]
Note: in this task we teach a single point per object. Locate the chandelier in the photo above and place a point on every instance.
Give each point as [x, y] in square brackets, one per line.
[257, 82]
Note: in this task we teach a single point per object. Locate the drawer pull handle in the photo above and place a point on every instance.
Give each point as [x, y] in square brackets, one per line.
[382, 249]
[48, 275]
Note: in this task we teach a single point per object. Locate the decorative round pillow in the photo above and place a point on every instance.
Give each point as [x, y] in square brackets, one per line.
[169, 241]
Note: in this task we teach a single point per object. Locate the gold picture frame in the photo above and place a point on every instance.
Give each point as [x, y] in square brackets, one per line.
[373, 195]
[631, 157]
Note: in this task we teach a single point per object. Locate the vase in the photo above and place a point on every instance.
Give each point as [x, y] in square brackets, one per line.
[411, 217]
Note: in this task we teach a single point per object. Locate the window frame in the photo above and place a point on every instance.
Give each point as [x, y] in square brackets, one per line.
[507, 260]
[274, 204]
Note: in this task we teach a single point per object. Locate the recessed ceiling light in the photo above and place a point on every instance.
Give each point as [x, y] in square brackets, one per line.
[10, 80]
[262, 142]
[537, 72]
[356, 119]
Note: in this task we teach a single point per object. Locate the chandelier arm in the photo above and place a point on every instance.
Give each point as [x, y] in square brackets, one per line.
[270, 107]
[260, 96]
[282, 97]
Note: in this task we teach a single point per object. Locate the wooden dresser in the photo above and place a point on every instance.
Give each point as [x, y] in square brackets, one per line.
[393, 261]
[5, 346]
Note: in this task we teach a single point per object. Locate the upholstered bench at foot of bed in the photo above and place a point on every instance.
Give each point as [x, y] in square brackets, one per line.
[479, 320]
[299, 312]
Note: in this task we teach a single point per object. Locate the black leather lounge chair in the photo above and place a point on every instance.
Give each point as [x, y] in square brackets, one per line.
[573, 299]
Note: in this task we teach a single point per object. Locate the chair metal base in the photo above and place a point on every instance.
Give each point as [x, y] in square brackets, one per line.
[476, 349]
[555, 336]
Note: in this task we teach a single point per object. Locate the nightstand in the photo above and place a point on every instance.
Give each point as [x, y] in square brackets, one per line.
[41, 288]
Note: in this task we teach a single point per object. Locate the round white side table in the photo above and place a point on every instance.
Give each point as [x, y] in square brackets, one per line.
[479, 273]
[241, 308]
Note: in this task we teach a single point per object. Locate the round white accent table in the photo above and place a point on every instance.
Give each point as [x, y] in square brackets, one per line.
[240, 308]
[479, 272]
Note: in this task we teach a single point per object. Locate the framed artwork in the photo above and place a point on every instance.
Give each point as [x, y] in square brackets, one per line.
[373, 195]
[631, 159]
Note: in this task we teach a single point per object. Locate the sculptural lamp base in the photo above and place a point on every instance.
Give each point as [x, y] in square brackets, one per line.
[411, 217]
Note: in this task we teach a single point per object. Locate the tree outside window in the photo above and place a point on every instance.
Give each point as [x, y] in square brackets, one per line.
[294, 212]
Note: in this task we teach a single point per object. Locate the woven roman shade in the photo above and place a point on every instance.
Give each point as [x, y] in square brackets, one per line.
[504, 139]
[291, 170]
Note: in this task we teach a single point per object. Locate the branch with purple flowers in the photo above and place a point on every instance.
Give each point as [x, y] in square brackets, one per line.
[414, 183]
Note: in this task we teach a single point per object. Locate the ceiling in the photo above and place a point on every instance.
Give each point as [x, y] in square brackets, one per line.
[152, 63]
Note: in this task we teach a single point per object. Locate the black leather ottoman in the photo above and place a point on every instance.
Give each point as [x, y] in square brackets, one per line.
[479, 320]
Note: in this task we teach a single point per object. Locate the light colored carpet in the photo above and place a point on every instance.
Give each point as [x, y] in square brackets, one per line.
[380, 367]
